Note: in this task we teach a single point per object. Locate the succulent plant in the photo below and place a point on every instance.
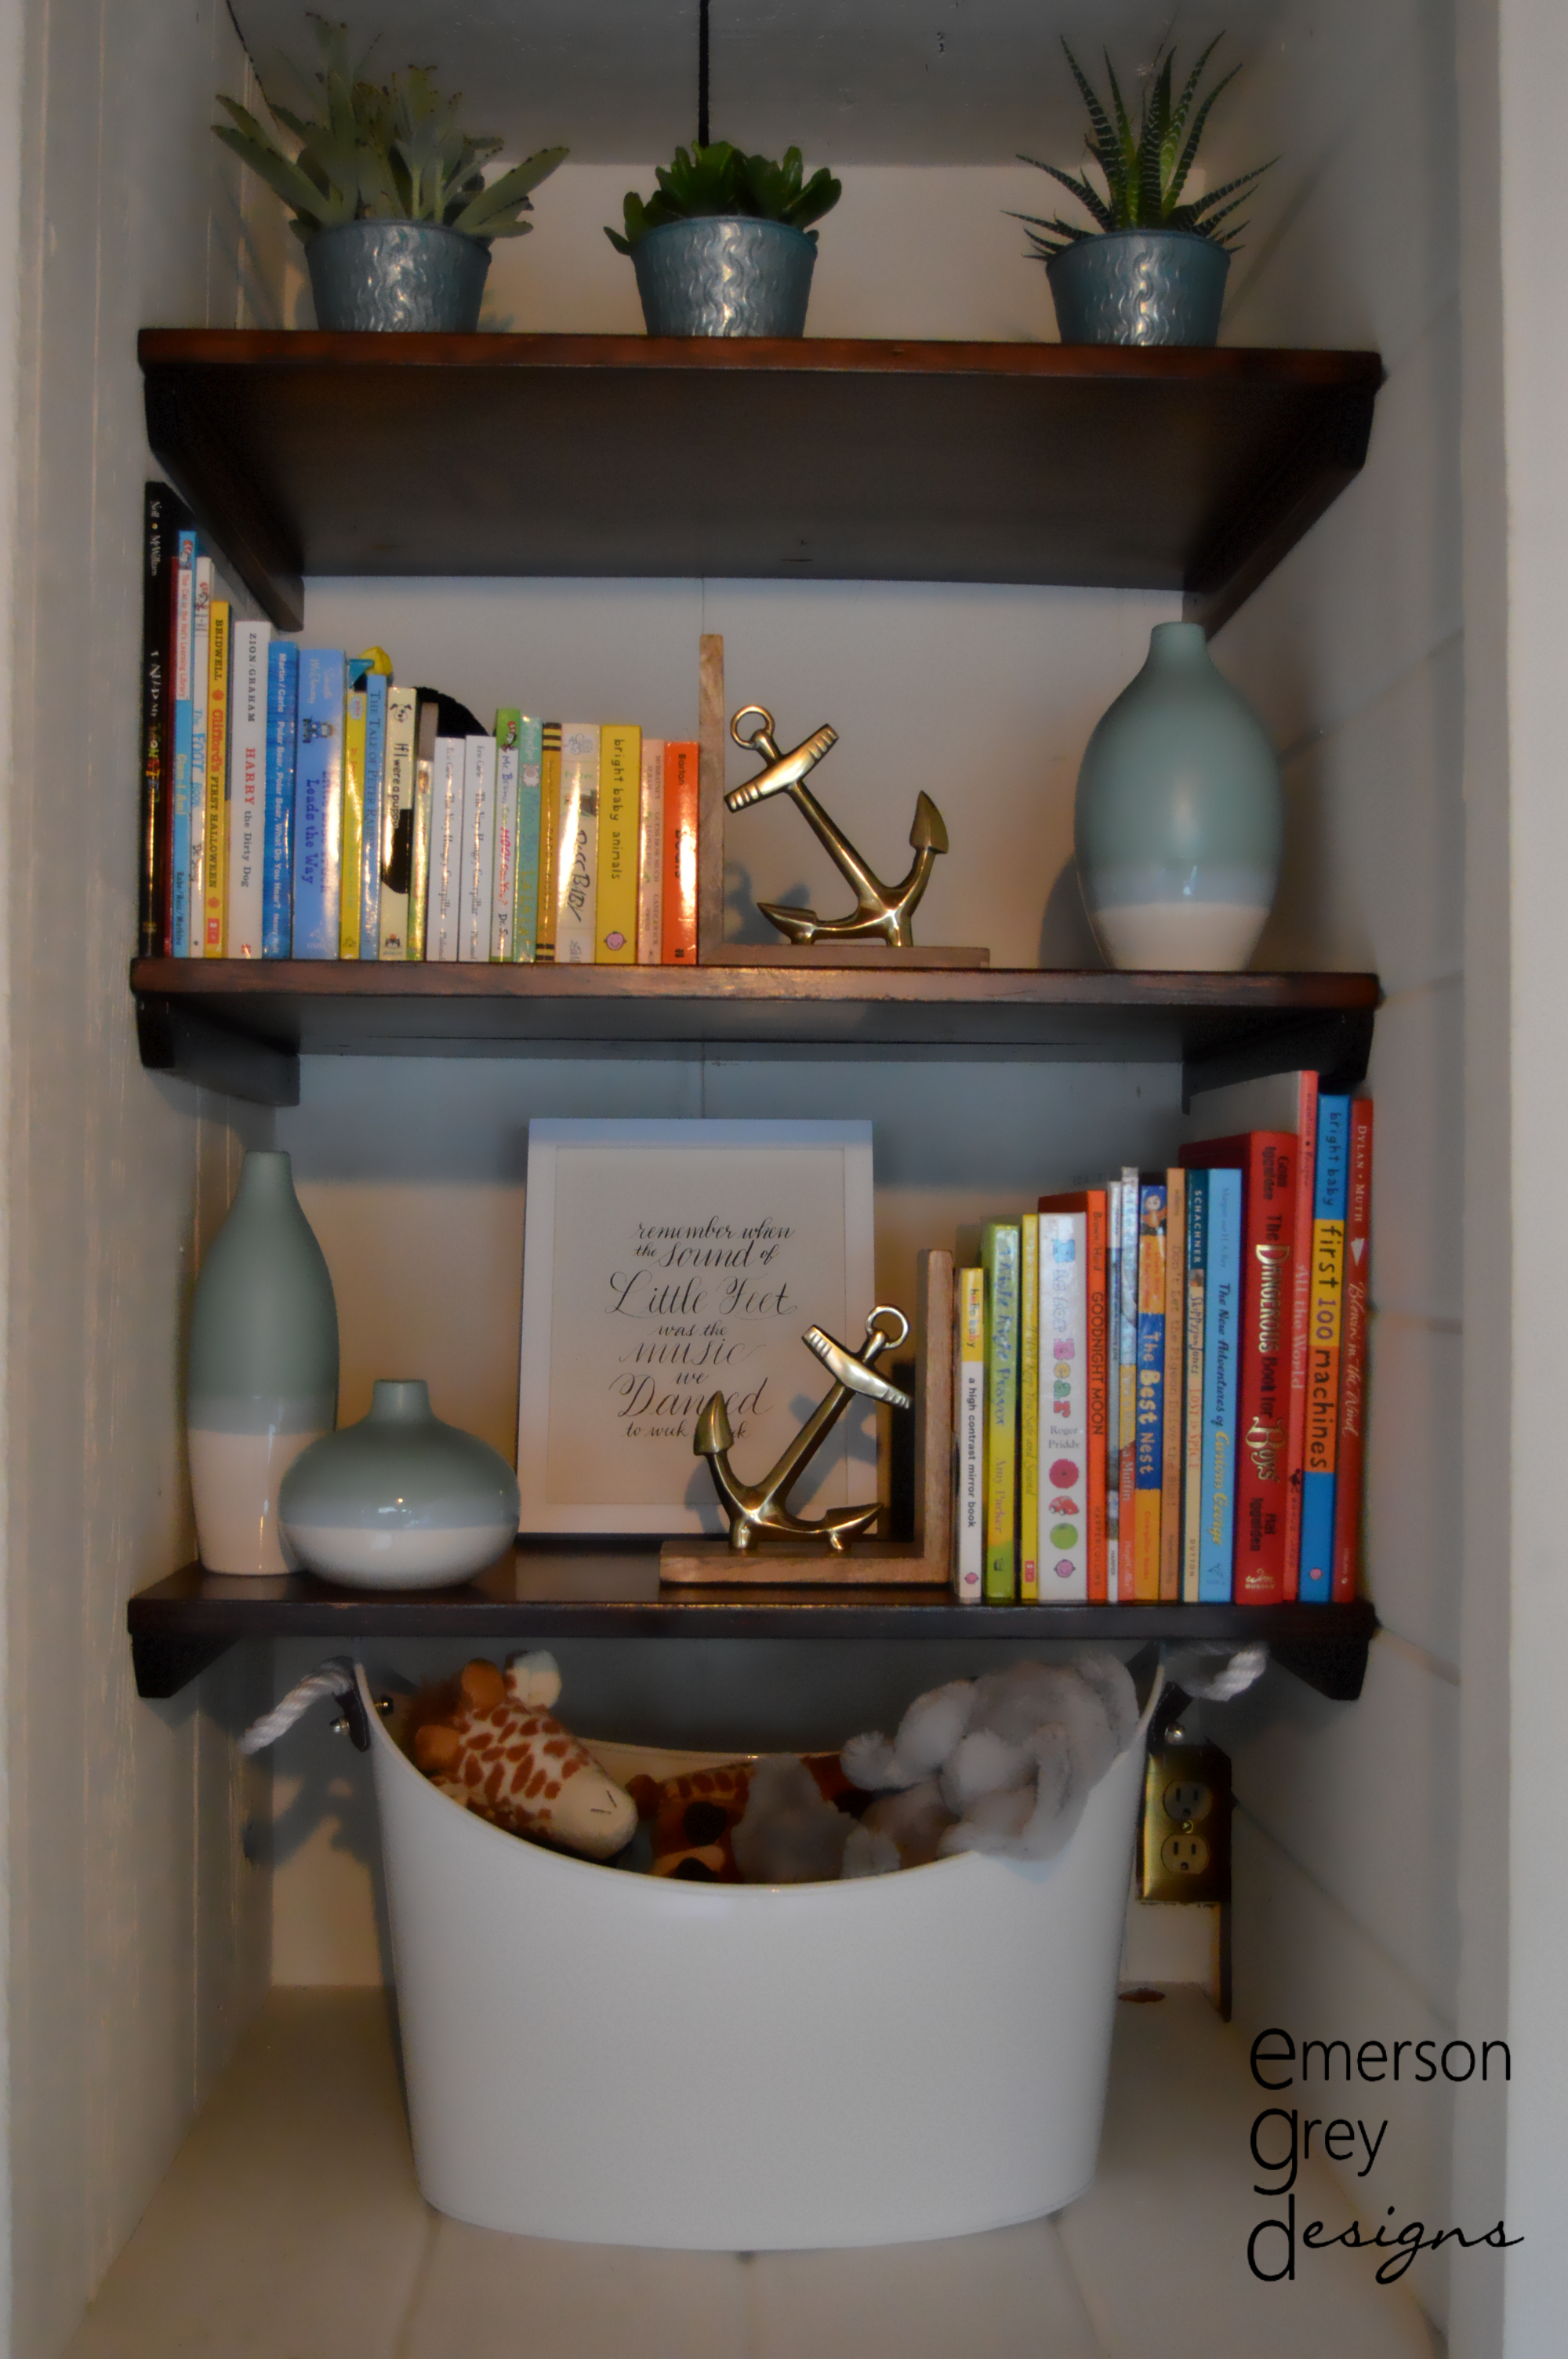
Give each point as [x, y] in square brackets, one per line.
[1145, 168]
[381, 154]
[718, 181]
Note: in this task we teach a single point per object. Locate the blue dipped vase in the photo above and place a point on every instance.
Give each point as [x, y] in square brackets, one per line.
[1179, 822]
[399, 1501]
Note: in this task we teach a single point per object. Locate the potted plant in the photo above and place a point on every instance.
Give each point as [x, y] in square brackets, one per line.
[1152, 268]
[388, 195]
[724, 246]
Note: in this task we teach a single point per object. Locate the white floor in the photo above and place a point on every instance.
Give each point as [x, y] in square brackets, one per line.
[290, 2228]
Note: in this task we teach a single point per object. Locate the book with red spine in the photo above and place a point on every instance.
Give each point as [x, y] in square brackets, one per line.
[1266, 1160]
[1300, 1304]
[1091, 1203]
[678, 945]
[1353, 1357]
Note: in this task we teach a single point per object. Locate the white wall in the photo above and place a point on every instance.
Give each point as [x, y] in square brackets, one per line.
[138, 1941]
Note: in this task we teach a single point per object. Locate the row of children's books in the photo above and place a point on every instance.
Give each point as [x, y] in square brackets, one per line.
[300, 802]
[1161, 1381]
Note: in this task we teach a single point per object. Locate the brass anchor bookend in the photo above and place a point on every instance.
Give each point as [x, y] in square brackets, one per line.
[757, 1510]
[881, 911]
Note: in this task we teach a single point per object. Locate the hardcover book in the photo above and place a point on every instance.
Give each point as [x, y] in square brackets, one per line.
[476, 887]
[163, 517]
[1192, 1413]
[215, 834]
[679, 945]
[619, 798]
[1221, 1385]
[397, 822]
[1173, 1425]
[444, 888]
[971, 1286]
[318, 803]
[549, 840]
[201, 691]
[1126, 1589]
[247, 786]
[650, 855]
[1031, 1411]
[1094, 1205]
[1330, 1196]
[427, 723]
[1000, 1248]
[1353, 1357]
[503, 893]
[277, 856]
[377, 686]
[1112, 1387]
[1149, 1453]
[1301, 1290]
[577, 835]
[352, 841]
[1064, 1487]
[184, 719]
[528, 901]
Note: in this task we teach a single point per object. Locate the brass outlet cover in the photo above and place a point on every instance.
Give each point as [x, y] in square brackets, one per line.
[1184, 1848]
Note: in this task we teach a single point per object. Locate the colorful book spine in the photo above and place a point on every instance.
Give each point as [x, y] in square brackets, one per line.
[1126, 1588]
[679, 944]
[476, 876]
[161, 515]
[1112, 1387]
[377, 686]
[247, 786]
[278, 847]
[1030, 1409]
[351, 842]
[970, 1286]
[1149, 1455]
[179, 818]
[1301, 1292]
[319, 804]
[425, 743]
[577, 835]
[1095, 1205]
[1192, 1413]
[615, 886]
[1000, 1247]
[508, 779]
[1353, 1357]
[443, 889]
[650, 855]
[201, 691]
[1174, 1424]
[528, 900]
[1268, 1159]
[1221, 1385]
[215, 835]
[549, 839]
[397, 822]
[1330, 1199]
[1063, 1489]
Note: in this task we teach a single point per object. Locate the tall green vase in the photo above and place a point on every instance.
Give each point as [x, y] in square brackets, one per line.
[1179, 822]
[262, 1380]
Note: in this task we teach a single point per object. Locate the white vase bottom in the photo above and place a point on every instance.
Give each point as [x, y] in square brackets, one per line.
[234, 1480]
[1181, 935]
[418, 1557]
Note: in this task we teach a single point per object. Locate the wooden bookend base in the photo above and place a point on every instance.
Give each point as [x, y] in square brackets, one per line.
[927, 1561]
[842, 954]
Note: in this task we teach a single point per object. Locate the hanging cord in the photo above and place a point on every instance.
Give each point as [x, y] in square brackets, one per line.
[335, 1678]
[702, 73]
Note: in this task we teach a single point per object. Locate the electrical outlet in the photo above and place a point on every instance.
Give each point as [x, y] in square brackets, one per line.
[1183, 1850]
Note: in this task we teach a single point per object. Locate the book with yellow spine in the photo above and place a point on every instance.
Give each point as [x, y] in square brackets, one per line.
[215, 842]
[1029, 1409]
[619, 793]
[549, 840]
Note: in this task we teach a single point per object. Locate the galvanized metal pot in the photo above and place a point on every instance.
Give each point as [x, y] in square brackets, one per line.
[724, 278]
[1139, 286]
[384, 277]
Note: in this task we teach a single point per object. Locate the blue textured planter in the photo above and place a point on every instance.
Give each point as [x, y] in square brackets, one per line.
[1139, 286]
[724, 278]
[381, 276]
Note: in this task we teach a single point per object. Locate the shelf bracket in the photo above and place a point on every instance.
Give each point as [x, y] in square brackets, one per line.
[1334, 1665]
[175, 1037]
[164, 1664]
[1335, 1043]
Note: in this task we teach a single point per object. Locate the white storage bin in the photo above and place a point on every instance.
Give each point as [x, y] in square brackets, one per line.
[617, 2059]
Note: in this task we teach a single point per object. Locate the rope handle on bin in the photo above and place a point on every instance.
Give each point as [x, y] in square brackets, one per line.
[333, 1677]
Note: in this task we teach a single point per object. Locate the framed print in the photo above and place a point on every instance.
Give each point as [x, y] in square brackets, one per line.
[663, 1262]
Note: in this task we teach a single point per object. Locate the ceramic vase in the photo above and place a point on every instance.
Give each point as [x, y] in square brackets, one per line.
[1179, 819]
[400, 1501]
[262, 1381]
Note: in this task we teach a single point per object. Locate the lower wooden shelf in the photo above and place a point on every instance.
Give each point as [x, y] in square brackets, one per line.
[597, 1589]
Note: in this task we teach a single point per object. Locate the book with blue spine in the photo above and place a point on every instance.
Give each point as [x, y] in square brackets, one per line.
[1330, 1191]
[318, 803]
[1148, 1454]
[376, 684]
[179, 828]
[527, 869]
[1221, 1385]
[277, 854]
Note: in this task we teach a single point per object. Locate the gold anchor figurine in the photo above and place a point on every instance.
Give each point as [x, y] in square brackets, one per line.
[883, 911]
[757, 1510]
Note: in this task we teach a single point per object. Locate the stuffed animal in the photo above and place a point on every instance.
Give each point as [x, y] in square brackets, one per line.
[488, 1740]
[695, 1818]
[1002, 1763]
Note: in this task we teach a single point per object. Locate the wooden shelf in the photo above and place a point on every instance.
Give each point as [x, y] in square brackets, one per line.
[817, 458]
[547, 1590]
[241, 1027]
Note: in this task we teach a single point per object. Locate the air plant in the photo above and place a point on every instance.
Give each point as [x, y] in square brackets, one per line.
[1146, 168]
[374, 153]
[719, 182]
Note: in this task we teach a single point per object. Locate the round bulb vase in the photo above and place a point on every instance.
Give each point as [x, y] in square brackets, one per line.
[400, 1501]
[1179, 822]
[262, 1377]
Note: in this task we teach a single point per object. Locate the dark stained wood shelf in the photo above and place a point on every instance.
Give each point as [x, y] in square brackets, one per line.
[241, 1025]
[817, 458]
[549, 1588]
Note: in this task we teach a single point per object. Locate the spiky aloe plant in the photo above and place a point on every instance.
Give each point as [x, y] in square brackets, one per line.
[1145, 167]
[718, 181]
[381, 154]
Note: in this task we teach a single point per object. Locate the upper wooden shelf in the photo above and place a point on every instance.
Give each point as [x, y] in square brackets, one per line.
[241, 1027]
[1087, 466]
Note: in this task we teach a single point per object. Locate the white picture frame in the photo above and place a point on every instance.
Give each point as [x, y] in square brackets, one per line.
[664, 1260]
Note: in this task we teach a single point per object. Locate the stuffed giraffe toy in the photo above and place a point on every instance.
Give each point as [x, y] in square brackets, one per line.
[489, 1742]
